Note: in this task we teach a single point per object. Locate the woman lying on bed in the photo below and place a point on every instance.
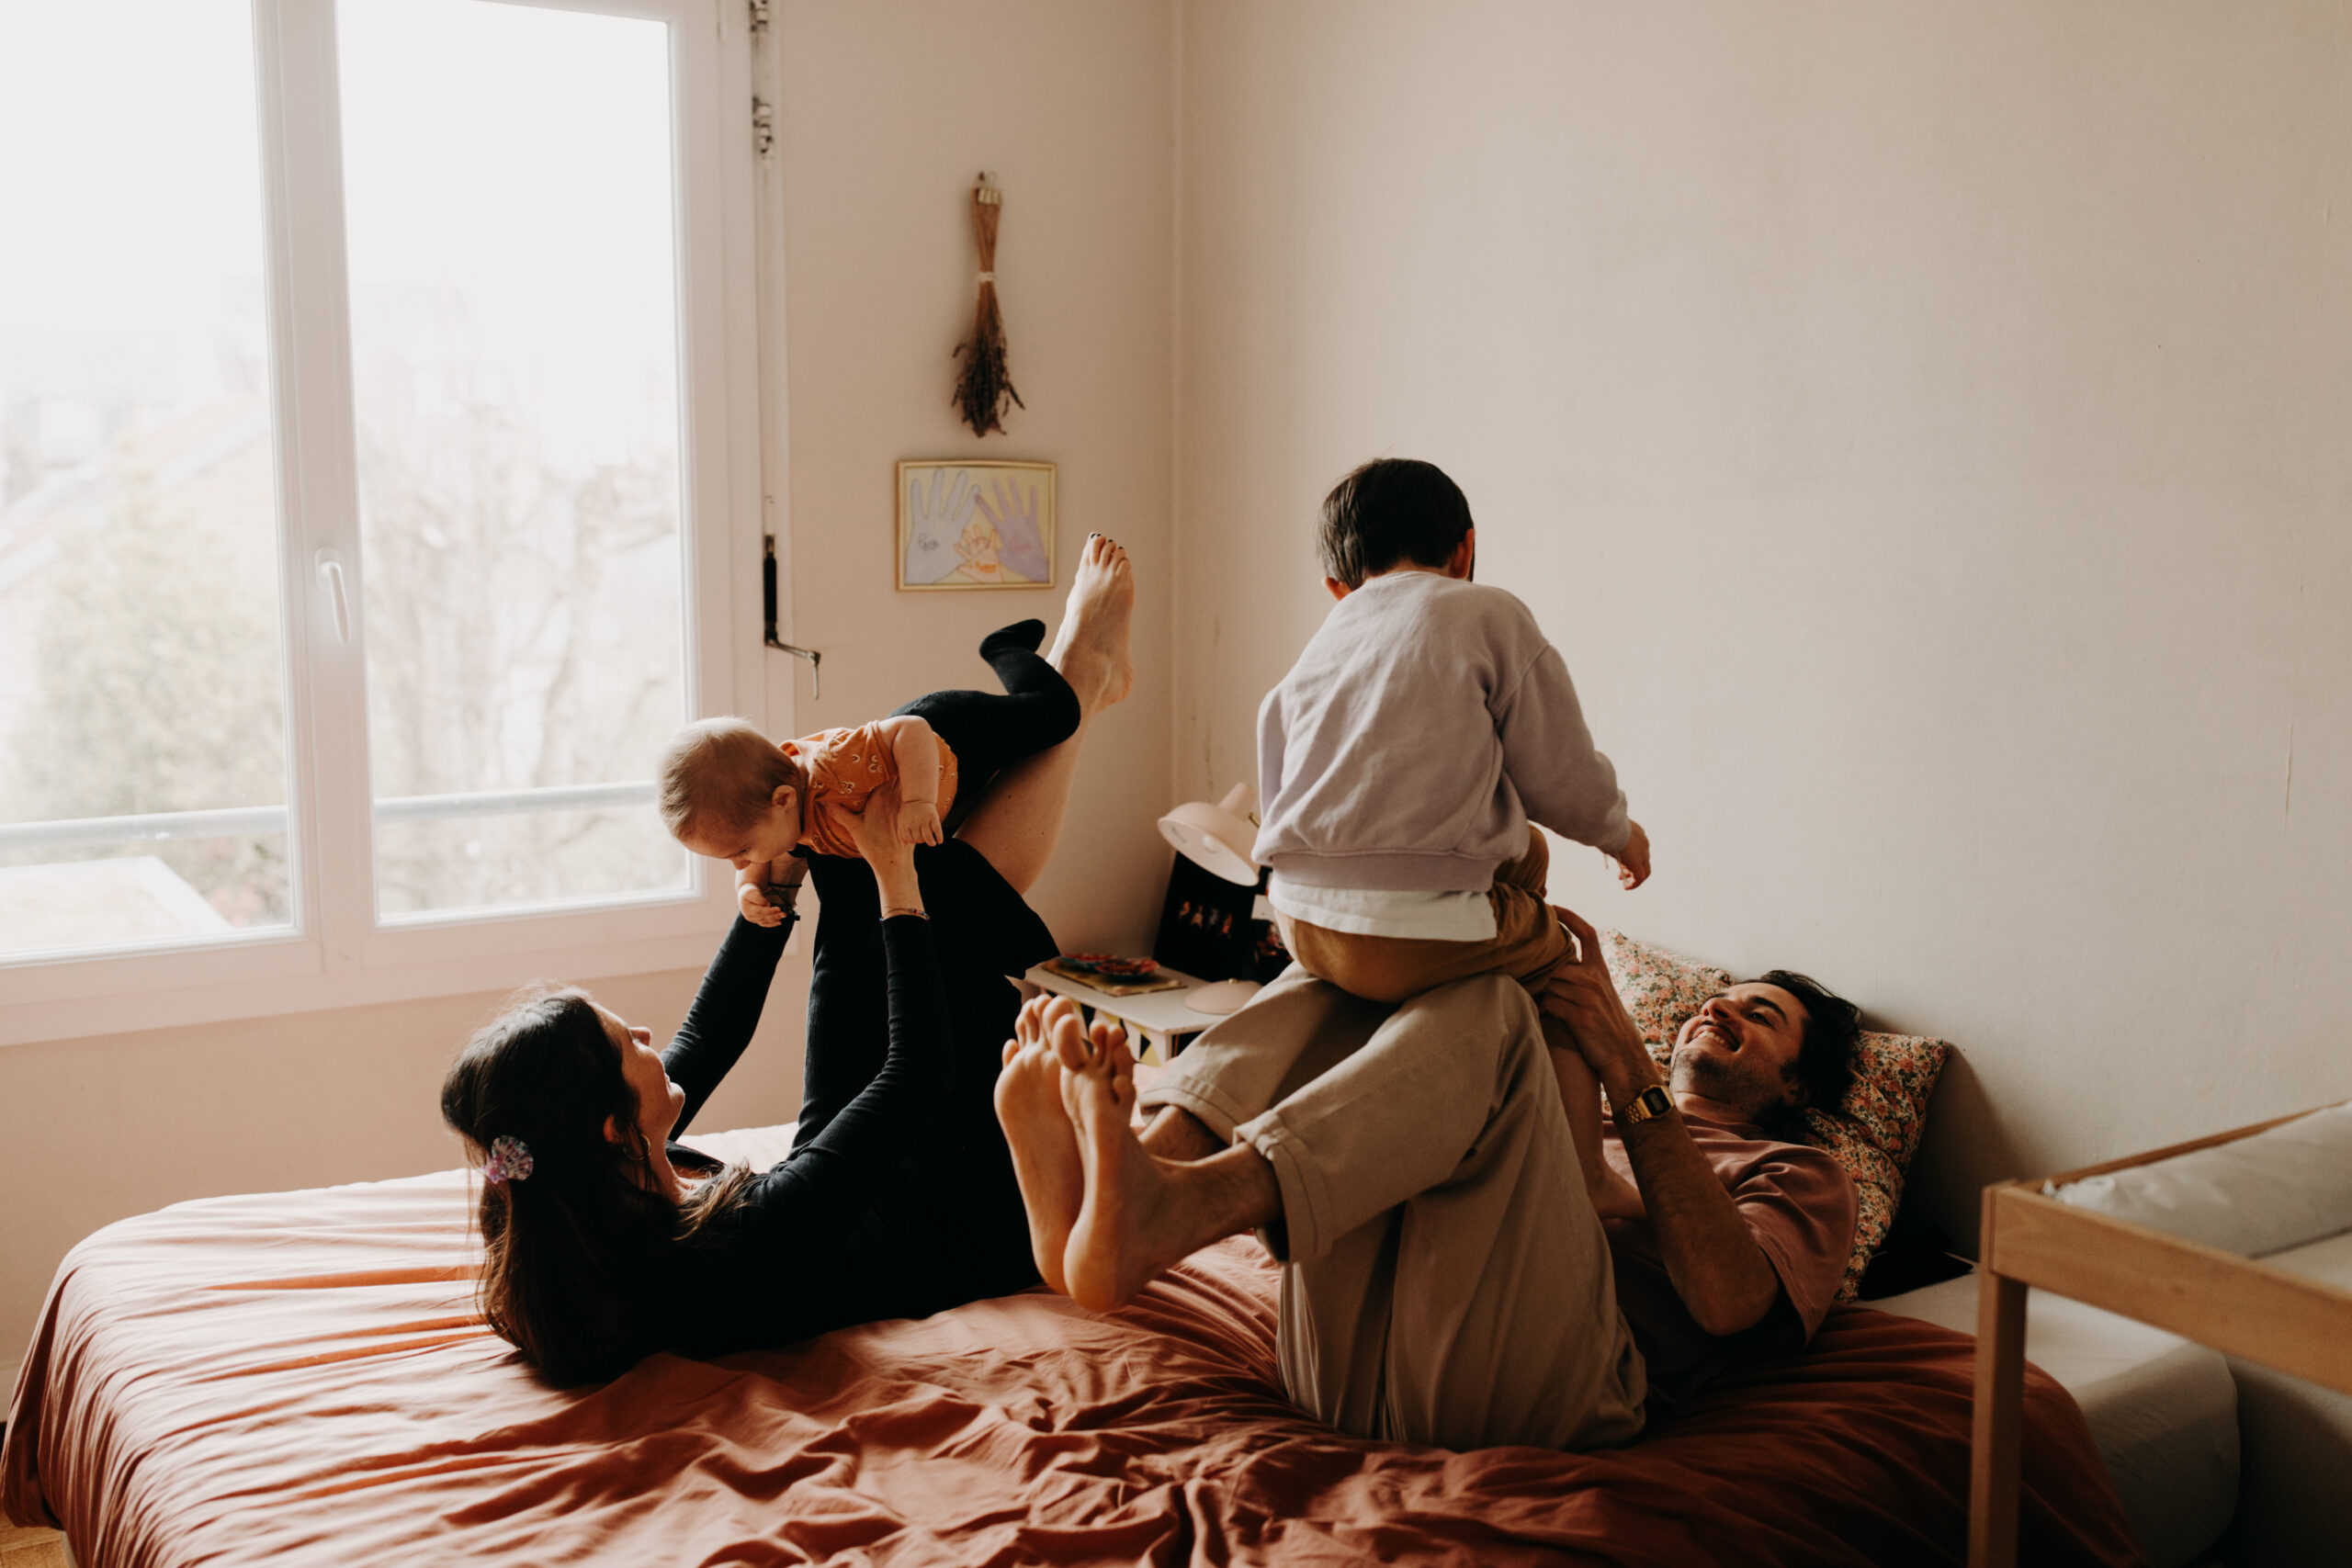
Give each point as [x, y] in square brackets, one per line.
[603, 1241]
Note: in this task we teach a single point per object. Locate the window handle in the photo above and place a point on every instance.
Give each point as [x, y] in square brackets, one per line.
[767, 588]
[330, 574]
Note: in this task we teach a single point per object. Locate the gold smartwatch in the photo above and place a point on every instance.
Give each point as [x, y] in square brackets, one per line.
[1652, 1101]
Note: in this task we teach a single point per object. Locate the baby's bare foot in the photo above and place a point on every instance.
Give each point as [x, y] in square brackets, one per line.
[1091, 647]
[1038, 1131]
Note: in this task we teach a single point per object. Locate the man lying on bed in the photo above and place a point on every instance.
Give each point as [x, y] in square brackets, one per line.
[1446, 1278]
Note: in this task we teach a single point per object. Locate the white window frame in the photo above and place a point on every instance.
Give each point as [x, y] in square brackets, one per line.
[337, 953]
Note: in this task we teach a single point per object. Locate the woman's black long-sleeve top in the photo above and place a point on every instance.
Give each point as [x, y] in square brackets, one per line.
[843, 1231]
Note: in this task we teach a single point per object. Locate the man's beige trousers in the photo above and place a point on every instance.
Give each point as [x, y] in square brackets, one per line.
[1445, 1280]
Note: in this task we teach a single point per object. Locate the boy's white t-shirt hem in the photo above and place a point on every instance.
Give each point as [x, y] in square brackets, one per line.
[1405, 913]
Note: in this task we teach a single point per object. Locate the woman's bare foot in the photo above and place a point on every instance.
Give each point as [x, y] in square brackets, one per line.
[1090, 650]
[1038, 1131]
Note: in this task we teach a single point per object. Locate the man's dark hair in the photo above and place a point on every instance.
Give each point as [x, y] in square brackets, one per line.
[1391, 511]
[1833, 1027]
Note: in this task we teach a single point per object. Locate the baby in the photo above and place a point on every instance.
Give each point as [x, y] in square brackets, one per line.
[727, 792]
[1402, 760]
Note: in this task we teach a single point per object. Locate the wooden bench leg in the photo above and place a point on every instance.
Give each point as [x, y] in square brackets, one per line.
[2000, 1393]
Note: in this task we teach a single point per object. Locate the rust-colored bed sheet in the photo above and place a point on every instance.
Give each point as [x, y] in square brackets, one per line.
[299, 1379]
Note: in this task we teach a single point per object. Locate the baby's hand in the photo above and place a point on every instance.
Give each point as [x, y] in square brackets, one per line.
[755, 906]
[918, 822]
[1634, 860]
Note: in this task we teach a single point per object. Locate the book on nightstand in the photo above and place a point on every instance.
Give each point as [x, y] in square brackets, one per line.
[1112, 977]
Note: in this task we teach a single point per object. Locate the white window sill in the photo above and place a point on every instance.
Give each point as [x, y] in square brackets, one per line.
[115, 993]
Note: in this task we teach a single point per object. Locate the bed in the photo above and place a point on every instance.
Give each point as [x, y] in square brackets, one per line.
[299, 1378]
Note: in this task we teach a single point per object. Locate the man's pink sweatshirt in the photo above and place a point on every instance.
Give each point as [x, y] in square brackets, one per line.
[1425, 723]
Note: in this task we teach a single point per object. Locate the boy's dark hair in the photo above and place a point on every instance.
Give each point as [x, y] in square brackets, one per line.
[1391, 511]
[1833, 1028]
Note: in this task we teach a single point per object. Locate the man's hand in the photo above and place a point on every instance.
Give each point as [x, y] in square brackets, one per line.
[1634, 860]
[1710, 1255]
[1581, 996]
[918, 822]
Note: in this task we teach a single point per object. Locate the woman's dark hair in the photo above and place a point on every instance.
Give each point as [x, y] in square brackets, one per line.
[1833, 1027]
[1391, 511]
[575, 1254]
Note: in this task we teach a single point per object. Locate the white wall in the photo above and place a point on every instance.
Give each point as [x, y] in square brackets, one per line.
[95, 1129]
[1923, 430]
[888, 111]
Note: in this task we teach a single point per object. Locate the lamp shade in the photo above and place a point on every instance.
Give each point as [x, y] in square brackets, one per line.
[1218, 838]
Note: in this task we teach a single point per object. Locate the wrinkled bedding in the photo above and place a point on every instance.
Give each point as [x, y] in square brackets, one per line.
[299, 1378]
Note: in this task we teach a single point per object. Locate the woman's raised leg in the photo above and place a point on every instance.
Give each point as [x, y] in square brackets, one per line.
[1019, 822]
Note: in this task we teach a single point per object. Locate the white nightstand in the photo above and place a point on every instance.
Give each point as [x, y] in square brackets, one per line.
[1162, 1018]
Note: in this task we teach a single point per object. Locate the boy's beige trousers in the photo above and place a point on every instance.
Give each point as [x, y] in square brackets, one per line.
[1527, 943]
[1445, 1280]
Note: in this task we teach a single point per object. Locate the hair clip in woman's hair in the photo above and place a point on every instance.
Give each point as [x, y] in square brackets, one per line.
[510, 1160]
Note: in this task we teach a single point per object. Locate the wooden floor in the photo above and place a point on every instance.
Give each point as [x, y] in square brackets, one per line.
[33, 1549]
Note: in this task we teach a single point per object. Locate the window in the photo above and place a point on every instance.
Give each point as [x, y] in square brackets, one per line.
[373, 456]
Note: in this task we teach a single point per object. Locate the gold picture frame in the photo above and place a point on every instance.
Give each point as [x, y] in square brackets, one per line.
[975, 524]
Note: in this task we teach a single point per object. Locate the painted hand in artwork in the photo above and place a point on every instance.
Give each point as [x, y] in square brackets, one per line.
[1012, 505]
[935, 522]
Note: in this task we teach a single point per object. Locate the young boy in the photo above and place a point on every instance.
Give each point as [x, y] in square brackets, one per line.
[1401, 761]
[727, 792]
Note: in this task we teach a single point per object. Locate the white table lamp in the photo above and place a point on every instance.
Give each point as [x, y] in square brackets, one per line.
[1218, 838]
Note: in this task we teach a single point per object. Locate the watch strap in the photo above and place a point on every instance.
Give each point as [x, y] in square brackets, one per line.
[1653, 1102]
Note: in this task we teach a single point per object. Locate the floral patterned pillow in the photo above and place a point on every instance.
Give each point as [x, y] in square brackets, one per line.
[1873, 1135]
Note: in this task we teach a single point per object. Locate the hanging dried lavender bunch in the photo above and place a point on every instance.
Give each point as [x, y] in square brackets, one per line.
[984, 388]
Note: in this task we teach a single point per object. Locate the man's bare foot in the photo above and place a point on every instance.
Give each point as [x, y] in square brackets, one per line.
[1038, 1131]
[1109, 1257]
[1091, 649]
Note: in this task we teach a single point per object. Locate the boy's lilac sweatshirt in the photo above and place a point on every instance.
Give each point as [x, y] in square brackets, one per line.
[1425, 723]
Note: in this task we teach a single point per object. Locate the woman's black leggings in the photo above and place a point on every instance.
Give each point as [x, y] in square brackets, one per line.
[985, 929]
[990, 731]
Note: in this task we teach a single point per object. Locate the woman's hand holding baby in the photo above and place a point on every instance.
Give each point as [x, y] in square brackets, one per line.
[874, 831]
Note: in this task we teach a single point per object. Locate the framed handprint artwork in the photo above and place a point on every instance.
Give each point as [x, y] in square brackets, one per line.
[976, 523]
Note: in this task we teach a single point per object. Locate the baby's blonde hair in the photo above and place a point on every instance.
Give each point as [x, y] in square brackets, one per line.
[721, 773]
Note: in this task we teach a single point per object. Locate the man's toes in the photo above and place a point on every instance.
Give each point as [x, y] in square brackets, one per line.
[1069, 1044]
